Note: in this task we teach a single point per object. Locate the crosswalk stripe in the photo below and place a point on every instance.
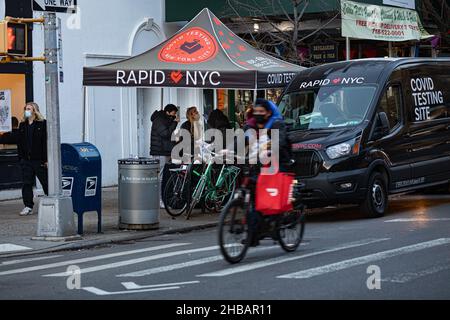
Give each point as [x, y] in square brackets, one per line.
[345, 264]
[9, 247]
[181, 265]
[100, 292]
[273, 261]
[134, 286]
[409, 276]
[133, 261]
[8, 263]
[82, 260]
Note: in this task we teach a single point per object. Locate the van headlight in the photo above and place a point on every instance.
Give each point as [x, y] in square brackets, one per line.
[343, 149]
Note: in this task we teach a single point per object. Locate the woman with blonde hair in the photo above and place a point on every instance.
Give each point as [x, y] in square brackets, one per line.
[32, 149]
[194, 125]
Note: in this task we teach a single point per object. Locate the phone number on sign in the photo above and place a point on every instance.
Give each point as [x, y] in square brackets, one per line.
[388, 32]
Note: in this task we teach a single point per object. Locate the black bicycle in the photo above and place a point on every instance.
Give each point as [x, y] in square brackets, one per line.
[235, 237]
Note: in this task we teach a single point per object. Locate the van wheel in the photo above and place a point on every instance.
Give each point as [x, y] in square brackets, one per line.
[376, 201]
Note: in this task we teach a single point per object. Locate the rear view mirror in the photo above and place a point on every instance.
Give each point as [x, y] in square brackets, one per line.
[382, 127]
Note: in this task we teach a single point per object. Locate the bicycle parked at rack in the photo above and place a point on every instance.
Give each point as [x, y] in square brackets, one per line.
[216, 192]
[176, 192]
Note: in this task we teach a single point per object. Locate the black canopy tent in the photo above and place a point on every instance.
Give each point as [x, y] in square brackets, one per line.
[203, 54]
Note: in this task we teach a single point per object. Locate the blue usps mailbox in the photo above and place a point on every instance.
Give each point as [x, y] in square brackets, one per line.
[82, 179]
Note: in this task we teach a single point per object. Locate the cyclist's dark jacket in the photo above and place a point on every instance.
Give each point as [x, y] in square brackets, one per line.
[285, 145]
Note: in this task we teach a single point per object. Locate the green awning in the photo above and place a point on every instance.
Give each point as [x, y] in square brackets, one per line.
[184, 11]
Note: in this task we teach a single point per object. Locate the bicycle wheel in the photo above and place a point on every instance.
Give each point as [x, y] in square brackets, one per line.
[290, 232]
[196, 197]
[175, 195]
[233, 231]
[216, 200]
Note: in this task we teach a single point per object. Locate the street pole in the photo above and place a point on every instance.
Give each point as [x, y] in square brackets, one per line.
[56, 217]
[347, 48]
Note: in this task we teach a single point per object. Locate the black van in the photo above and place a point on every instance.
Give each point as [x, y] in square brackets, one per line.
[363, 129]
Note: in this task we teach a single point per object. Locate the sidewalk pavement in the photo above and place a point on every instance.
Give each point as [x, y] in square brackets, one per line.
[16, 232]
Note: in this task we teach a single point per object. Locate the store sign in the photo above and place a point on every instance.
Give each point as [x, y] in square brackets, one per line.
[384, 23]
[410, 4]
[5, 111]
[324, 53]
[65, 6]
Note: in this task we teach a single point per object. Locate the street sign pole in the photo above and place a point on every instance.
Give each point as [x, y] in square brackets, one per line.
[56, 217]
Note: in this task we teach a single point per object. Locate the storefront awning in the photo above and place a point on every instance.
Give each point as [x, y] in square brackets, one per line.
[203, 54]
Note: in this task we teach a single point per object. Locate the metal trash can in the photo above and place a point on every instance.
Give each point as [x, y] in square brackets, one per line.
[139, 194]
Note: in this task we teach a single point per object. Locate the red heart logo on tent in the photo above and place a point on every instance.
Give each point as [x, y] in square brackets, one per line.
[242, 48]
[176, 76]
[337, 80]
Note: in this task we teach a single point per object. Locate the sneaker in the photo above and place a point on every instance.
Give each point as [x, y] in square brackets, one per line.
[26, 211]
[161, 204]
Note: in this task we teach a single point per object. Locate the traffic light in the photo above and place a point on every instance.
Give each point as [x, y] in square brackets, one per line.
[13, 38]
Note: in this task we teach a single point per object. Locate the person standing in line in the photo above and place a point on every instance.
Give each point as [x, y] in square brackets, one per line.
[32, 150]
[164, 123]
[194, 125]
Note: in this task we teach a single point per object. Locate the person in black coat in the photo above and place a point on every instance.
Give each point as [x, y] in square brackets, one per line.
[164, 123]
[32, 150]
[217, 120]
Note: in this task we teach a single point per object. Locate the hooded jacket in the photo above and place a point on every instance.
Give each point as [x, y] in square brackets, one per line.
[161, 134]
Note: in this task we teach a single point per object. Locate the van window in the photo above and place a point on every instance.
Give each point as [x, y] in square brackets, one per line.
[391, 104]
[428, 93]
[326, 107]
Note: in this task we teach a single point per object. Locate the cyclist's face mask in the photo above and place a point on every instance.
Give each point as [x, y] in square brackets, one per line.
[261, 115]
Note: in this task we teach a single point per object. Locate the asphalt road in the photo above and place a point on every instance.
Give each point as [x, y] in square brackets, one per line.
[409, 247]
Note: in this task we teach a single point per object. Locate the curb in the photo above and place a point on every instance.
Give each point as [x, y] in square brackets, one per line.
[93, 243]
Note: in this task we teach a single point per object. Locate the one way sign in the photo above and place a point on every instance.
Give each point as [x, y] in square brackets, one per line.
[67, 6]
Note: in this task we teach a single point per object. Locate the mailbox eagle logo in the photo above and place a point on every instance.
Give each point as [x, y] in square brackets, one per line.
[91, 187]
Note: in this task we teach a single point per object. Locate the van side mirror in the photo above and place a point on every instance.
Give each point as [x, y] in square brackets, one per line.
[382, 127]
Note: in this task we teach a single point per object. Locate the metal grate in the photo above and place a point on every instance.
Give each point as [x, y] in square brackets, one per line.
[307, 163]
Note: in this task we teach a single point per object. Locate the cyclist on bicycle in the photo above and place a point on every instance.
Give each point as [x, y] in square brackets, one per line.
[267, 116]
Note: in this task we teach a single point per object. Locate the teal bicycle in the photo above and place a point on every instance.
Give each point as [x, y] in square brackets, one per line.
[216, 191]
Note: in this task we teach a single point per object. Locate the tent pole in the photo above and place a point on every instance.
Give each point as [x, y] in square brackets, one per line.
[347, 48]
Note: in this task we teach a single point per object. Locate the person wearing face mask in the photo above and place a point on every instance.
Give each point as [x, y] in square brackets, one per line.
[32, 149]
[264, 120]
[265, 115]
[164, 123]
